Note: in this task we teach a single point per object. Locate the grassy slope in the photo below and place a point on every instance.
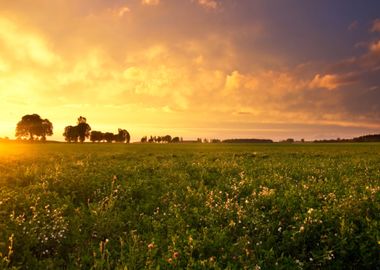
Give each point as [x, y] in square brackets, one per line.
[197, 206]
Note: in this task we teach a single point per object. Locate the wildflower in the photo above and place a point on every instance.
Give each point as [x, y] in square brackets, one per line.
[175, 255]
[265, 192]
[330, 255]
[151, 246]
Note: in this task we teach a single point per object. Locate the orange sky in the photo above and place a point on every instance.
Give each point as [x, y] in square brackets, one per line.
[192, 68]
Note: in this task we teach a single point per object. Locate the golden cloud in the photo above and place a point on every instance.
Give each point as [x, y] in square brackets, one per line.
[375, 47]
[328, 81]
[237, 81]
[123, 10]
[211, 4]
[150, 2]
[25, 46]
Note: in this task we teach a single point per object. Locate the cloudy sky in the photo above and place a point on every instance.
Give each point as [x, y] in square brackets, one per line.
[193, 68]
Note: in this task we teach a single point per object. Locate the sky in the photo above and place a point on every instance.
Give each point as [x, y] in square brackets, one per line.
[193, 68]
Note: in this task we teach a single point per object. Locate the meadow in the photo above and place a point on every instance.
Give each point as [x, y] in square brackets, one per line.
[189, 206]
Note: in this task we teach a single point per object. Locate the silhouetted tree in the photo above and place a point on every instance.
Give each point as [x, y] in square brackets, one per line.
[161, 139]
[96, 136]
[367, 138]
[175, 140]
[127, 137]
[34, 127]
[122, 136]
[109, 137]
[167, 138]
[83, 129]
[79, 132]
[71, 134]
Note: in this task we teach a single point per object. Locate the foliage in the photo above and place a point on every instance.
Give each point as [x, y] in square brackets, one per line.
[32, 126]
[122, 136]
[71, 134]
[368, 138]
[79, 132]
[83, 129]
[161, 139]
[199, 206]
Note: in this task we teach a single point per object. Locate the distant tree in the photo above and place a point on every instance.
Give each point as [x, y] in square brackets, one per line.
[199, 140]
[122, 136]
[159, 139]
[109, 137]
[151, 139]
[367, 138]
[79, 132]
[215, 141]
[96, 136]
[71, 134]
[127, 136]
[34, 127]
[144, 139]
[175, 140]
[83, 129]
[167, 138]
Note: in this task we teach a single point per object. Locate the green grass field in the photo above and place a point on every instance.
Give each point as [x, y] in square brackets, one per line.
[195, 206]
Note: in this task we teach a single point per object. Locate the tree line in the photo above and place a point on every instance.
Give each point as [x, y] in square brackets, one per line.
[122, 136]
[33, 127]
[161, 139]
[365, 138]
